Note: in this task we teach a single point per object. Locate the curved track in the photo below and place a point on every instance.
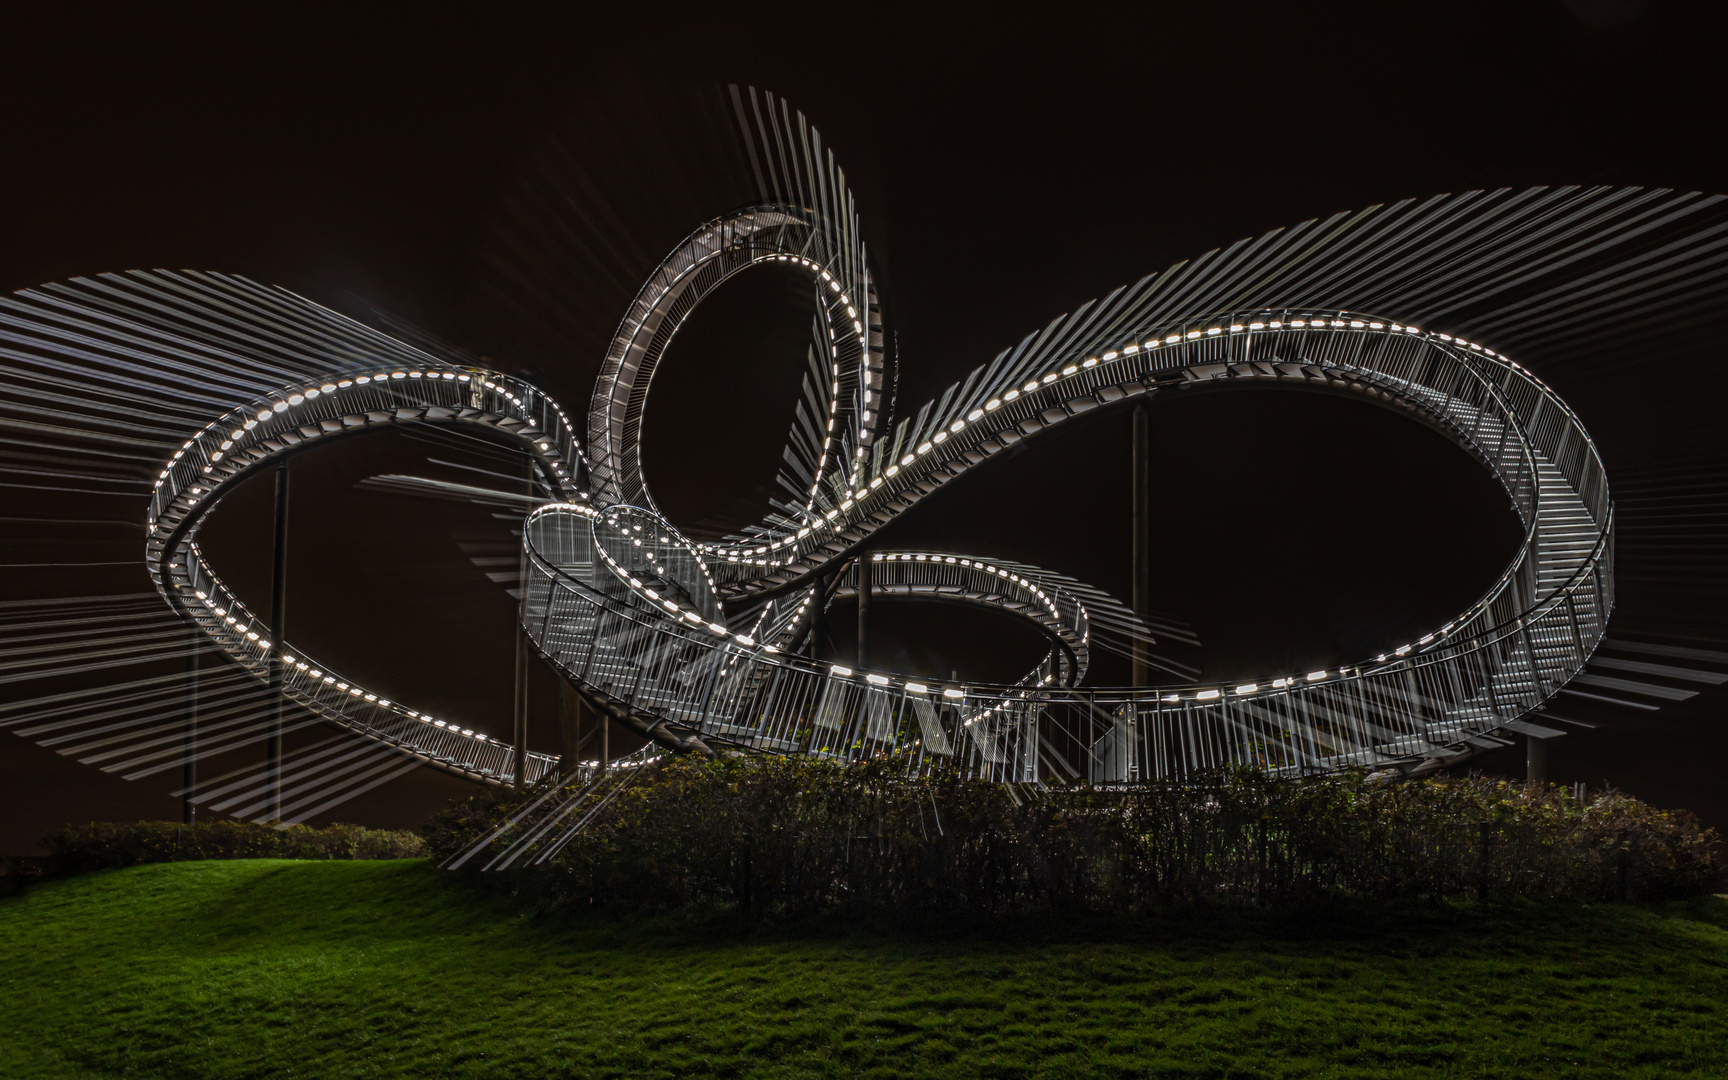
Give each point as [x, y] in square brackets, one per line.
[264, 431]
[698, 645]
[636, 614]
[1439, 696]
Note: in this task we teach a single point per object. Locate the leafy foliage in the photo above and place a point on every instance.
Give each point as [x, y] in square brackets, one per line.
[97, 845]
[794, 835]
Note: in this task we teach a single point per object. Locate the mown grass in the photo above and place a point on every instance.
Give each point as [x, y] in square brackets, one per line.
[271, 969]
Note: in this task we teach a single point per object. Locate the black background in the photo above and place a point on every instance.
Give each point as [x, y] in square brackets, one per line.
[500, 181]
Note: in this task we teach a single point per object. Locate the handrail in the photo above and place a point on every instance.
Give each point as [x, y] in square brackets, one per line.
[1420, 702]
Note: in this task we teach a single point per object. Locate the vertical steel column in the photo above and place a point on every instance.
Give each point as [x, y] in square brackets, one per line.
[519, 702]
[605, 720]
[569, 727]
[819, 617]
[278, 618]
[1141, 600]
[1535, 759]
[189, 739]
[519, 698]
[864, 586]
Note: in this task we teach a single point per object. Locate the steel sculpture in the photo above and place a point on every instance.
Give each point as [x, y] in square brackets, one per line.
[699, 646]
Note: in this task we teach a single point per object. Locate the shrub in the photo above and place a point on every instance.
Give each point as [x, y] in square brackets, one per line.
[790, 835]
[96, 845]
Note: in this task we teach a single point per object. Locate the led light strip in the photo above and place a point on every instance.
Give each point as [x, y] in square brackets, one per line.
[246, 439]
[858, 506]
[1111, 367]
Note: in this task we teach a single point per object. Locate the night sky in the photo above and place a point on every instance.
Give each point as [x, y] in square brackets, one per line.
[498, 185]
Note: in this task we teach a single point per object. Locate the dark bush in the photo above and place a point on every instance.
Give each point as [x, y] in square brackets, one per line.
[97, 844]
[788, 835]
[18, 872]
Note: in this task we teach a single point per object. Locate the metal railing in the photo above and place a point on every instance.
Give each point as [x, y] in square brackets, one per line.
[627, 606]
[1436, 698]
[255, 437]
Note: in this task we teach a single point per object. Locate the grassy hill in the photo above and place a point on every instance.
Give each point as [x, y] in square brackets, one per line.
[384, 969]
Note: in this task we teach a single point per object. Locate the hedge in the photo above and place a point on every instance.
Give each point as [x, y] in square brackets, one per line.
[791, 835]
[97, 845]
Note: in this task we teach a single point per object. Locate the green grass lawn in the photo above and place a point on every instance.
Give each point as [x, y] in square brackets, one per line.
[276, 969]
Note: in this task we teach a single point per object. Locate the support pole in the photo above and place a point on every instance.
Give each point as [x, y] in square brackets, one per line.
[519, 704]
[819, 617]
[569, 728]
[189, 739]
[865, 573]
[1535, 759]
[1536, 738]
[278, 619]
[1141, 600]
[519, 710]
